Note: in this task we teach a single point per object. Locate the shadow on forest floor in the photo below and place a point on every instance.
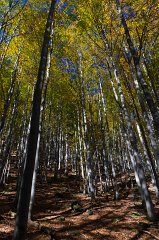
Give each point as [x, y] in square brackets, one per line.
[105, 219]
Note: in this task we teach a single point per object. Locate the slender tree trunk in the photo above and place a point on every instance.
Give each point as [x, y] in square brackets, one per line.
[145, 145]
[136, 159]
[25, 192]
[10, 94]
[8, 142]
[86, 141]
[32, 197]
[136, 60]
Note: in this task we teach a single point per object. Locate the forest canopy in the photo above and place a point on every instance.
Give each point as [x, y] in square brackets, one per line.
[79, 90]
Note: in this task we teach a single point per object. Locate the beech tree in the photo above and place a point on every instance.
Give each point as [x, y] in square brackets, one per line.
[97, 114]
[25, 190]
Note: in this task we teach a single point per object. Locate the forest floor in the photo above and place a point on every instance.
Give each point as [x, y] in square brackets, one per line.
[104, 219]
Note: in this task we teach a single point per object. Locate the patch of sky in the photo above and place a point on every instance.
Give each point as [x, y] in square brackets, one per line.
[62, 7]
[68, 66]
[1, 35]
[43, 7]
[102, 65]
[92, 91]
[24, 2]
[4, 37]
[73, 77]
[70, 10]
[16, 2]
[62, 23]
[128, 12]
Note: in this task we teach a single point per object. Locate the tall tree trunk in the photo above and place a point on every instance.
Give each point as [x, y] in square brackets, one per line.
[9, 139]
[25, 192]
[39, 135]
[136, 159]
[136, 60]
[10, 94]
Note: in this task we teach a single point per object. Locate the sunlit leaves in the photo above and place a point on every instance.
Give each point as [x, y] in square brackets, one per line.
[92, 28]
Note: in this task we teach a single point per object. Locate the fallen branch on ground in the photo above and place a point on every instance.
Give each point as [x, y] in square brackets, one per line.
[150, 234]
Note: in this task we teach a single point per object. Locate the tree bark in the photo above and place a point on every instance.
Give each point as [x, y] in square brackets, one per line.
[25, 192]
